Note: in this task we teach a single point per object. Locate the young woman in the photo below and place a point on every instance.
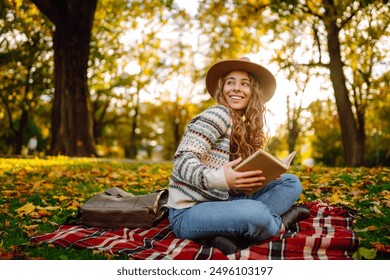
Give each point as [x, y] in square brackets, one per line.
[205, 198]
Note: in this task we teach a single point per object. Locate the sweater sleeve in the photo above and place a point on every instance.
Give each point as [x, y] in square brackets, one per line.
[196, 162]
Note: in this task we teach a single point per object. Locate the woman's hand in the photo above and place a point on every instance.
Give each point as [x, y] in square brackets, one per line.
[243, 181]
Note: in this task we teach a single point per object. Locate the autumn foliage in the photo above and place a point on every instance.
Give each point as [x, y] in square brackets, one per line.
[37, 195]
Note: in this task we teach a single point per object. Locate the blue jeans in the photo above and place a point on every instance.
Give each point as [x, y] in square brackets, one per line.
[255, 217]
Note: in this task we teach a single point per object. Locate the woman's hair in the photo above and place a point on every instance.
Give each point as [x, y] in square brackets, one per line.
[248, 130]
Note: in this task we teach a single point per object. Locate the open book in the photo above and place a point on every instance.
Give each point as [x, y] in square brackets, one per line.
[271, 166]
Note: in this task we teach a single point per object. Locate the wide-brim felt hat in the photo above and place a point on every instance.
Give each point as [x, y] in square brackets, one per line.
[224, 67]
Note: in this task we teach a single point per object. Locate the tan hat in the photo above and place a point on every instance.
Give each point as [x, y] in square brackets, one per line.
[224, 67]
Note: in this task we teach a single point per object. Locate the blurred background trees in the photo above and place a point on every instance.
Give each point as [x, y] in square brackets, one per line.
[144, 76]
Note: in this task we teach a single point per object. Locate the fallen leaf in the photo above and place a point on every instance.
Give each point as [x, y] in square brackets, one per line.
[54, 224]
[10, 194]
[317, 193]
[369, 228]
[43, 212]
[73, 205]
[334, 199]
[381, 247]
[25, 209]
[34, 215]
[364, 253]
[29, 230]
[61, 198]
[376, 210]
[49, 208]
[385, 194]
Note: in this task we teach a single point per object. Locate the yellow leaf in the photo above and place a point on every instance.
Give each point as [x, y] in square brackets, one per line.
[29, 230]
[364, 253]
[369, 228]
[49, 208]
[60, 198]
[25, 209]
[29, 168]
[317, 193]
[44, 213]
[42, 185]
[385, 194]
[376, 210]
[54, 224]
[34, 215]
[72, 207]
[334, 198]
[10, 194]
[96, 252]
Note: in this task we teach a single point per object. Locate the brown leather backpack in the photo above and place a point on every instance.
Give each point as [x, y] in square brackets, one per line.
[118, 208]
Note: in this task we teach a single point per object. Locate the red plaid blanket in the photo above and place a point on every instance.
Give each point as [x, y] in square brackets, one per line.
[327, 234]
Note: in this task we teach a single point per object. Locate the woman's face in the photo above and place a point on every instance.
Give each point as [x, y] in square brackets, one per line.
[237, 90]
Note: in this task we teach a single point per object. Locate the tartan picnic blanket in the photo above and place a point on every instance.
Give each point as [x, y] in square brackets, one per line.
[326, 234]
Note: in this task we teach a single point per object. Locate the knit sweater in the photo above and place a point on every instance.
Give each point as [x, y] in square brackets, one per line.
[198, 174]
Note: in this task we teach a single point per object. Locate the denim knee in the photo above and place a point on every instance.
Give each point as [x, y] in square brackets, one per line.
[256, 222]
[293, 182]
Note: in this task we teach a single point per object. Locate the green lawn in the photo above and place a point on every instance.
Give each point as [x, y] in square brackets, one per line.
[37, 195]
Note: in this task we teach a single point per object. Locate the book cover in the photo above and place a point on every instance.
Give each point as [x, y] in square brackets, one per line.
[271, 166]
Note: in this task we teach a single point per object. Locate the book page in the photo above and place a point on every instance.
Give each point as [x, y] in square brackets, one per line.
[287, 161]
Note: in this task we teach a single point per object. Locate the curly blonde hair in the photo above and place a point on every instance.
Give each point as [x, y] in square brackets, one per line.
[248, 132]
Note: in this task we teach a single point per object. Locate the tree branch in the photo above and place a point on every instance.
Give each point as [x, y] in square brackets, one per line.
[318, 64]
[317, 39]
[353, 13]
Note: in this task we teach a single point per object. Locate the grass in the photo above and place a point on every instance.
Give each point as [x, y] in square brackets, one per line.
[38, 195]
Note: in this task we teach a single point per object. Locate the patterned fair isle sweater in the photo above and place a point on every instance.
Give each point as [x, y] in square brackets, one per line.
[198, 174]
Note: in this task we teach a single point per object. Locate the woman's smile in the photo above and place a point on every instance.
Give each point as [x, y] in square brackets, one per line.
[237, 91]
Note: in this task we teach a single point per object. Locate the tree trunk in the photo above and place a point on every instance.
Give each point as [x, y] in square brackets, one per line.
[176, 123]
[293, 127]
[293, 134]
[20, 133]
[71, 118]
[133, 149]
[353, 148]
[20, 130]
